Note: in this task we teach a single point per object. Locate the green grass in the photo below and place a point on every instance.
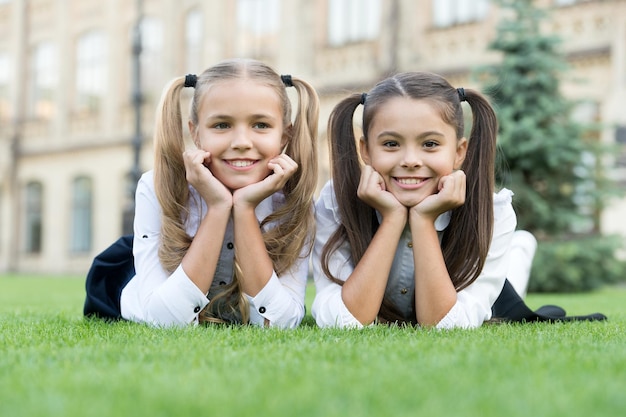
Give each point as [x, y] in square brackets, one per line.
[55, 363]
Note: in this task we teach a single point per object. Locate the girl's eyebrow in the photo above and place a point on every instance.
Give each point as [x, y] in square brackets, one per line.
[262, 116]
[252, 116]
[398, 135]
[431, 133]
[389, 133]
[217, 116]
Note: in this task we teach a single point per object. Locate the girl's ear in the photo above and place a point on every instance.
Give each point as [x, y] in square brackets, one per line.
[461, 152]
[194, 133]
[365, 155]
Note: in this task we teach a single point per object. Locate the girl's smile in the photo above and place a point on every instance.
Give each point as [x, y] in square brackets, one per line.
[240, 164]
[410, 182]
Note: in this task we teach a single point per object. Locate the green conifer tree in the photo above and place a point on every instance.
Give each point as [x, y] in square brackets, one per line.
[550, 161]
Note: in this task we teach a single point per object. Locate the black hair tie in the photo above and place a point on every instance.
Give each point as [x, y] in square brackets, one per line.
[190, 80]
[461, 92]
[363, 98]
[287, 80]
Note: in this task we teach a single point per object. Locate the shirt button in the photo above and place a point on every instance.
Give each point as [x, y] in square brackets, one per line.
[410, 244]
[404, 291]
[230, 245]
[262, 310]
[196, 310]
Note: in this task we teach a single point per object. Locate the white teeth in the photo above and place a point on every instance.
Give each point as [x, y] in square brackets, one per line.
[409, 181]
[240, 164]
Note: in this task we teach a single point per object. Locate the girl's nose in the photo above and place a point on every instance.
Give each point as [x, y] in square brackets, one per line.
[240, 140]
[411, 159]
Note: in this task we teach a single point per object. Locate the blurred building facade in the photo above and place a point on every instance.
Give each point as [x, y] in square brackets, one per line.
[68, 122]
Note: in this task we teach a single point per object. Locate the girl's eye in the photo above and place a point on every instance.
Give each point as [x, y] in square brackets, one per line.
[390, 144]
[430, 144]
[260, 125]
[222, 125]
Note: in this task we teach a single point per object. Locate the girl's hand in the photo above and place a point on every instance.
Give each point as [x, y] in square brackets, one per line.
[373, 192]
[198, 174]
[283, 168]
[451, 195]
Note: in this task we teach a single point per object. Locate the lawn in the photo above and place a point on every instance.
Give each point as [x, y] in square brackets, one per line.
[55, 363]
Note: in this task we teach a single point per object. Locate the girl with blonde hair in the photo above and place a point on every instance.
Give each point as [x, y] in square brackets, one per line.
[222, 231]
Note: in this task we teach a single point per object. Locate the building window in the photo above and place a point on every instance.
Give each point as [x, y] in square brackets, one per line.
[353, 21]
[151, 57]
[258, 17]
[5, 107]
[81, 215]
[586, 113]
[193, 41]
[258, 23]
[91, 71]
[620, 135]
[620, 152]
[456, 12]
[43, 81]
[34, 208]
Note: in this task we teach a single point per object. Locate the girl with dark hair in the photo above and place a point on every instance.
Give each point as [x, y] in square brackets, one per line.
[409, 230]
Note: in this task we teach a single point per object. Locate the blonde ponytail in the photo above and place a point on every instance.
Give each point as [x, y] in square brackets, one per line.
[169, 177]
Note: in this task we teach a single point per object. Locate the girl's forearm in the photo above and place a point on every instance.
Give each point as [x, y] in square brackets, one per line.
[434, 293]
[200, 261]
[364, 290]
[252, 257]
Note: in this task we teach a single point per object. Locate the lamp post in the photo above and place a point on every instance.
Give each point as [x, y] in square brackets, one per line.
[137, 100]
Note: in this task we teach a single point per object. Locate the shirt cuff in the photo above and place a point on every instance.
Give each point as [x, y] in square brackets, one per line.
[178, 301]
[275, 304]
[457, 318]
[329, 310]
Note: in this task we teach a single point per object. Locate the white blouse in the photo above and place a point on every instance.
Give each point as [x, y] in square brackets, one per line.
[473, 304]
[156, 297]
